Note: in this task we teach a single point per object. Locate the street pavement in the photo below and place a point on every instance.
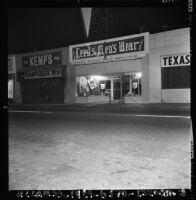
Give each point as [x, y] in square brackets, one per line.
[85, 148]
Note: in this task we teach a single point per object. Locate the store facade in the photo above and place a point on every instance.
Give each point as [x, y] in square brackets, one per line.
[111, 70]
[44, 77]
[170, 66]
[141, 68]
[130, 69]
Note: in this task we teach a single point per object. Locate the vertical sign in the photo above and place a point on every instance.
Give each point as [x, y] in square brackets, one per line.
[86, 15]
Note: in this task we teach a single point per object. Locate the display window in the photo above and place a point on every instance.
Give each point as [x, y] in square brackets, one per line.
[92, 85]
[10, 89]
[109, 85]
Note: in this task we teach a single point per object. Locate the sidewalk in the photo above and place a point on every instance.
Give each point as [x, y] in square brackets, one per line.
[121, 108]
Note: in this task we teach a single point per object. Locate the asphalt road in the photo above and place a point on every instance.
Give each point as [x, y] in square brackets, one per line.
[89, 150]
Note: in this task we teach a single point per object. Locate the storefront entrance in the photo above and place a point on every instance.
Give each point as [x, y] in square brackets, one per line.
[116, 88]
[43, 90]
[108, 88]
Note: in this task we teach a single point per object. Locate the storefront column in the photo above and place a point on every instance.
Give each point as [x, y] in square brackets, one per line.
[112, 88]
[130, 85]
[145, 88]
[70, 82]
[121, 96]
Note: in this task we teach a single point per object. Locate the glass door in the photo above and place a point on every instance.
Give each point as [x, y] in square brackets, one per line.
[116, 88]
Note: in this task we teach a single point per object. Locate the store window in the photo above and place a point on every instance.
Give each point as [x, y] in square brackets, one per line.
[10, 90]
[92, 85]
[175, 77]
[109, 85]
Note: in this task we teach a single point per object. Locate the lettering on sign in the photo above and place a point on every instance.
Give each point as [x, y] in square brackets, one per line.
[110, 50]
[175, 60]
[43, 73]
[42, 60]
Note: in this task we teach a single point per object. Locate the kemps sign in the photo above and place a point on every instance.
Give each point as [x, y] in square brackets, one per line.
[121, 48]
[43, 65]
[42, 60]
[175, 60]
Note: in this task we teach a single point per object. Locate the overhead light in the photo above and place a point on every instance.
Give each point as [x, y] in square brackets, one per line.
[98, 77]
[138, 75]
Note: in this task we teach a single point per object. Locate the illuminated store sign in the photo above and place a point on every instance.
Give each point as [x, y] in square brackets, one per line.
[122, 48]
[42, 60]
[175, 60]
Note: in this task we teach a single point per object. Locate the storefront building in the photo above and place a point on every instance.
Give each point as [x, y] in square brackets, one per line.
[111, 70]
[142, 68]
[170, 66]
[11, 78]
[44, 77]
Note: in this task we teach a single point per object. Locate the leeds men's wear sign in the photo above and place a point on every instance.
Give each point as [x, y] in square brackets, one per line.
[42, 60]
[122, 48]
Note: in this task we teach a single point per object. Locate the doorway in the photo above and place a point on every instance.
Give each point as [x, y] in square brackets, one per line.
[116, 88]
[125, 85]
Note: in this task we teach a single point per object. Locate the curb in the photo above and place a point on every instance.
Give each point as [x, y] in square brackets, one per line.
[124, 108]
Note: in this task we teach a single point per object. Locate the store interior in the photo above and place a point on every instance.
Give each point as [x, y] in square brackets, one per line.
[109, 87]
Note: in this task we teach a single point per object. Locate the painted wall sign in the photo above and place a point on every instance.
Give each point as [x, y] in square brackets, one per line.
[42, 73]
[122, 48]
[175, 60]
[11, 64]
[42, 60]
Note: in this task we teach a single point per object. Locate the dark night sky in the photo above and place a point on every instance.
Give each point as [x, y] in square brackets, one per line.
[31, 29]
